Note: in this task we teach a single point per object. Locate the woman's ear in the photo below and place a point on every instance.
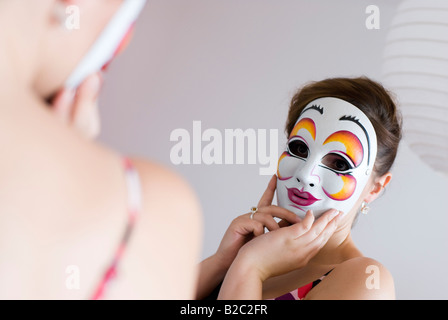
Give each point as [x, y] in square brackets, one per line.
[378, 185]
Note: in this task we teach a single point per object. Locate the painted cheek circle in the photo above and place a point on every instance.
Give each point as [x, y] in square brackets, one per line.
[353, 146]
[284, 154]
[307, 124]
[348, 188]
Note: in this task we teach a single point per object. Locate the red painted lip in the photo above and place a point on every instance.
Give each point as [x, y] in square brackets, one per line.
[301, 198]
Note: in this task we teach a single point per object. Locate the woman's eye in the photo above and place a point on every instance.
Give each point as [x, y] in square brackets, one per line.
[298, 148]
[336, 162]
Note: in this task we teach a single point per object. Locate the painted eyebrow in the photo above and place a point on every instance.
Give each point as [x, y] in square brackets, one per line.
[353, 119]
[314, 107]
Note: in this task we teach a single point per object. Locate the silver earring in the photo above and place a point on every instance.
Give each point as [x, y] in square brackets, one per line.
[364, 208]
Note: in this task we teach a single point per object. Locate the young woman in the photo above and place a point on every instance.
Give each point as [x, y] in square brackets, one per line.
[343, 136]
[73, 214]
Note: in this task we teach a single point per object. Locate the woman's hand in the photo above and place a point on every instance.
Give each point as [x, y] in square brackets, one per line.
[290, 248]
[243, 228]
[80, 108]
[277, 252]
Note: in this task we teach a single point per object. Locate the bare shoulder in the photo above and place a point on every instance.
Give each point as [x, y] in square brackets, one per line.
[168, 234]
[167, 192]
[360, 278]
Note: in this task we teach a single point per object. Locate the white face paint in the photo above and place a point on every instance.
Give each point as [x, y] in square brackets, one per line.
[329, 158]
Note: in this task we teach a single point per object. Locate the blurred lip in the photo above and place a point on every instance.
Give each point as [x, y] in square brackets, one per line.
[300, 197]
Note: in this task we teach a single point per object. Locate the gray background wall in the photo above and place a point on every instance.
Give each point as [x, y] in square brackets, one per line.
[235, 64]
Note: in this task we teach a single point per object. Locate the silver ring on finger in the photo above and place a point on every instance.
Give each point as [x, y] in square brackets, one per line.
[253, 211]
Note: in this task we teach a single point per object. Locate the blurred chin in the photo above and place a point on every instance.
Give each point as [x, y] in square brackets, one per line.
[47, 84]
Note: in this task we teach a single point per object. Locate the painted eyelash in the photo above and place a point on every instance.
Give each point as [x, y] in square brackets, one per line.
[318, 108]
[350, 118]
[345, 173]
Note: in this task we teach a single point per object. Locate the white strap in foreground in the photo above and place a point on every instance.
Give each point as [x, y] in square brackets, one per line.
[107, 43]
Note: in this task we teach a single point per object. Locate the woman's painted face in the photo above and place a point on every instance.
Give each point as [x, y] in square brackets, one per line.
[328, 160]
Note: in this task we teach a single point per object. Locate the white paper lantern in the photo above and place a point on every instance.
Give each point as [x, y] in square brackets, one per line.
[416, 70]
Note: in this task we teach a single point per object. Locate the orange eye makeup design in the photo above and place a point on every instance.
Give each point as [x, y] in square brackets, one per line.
[307, 124]
[353, 147]
[347, 189]
[284, 154]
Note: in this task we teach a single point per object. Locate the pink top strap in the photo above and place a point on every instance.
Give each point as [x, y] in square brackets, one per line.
[134, 208]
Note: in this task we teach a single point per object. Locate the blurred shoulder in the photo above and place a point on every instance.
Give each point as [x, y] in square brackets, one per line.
[161, 186]
[168, 234]
[360, 278]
